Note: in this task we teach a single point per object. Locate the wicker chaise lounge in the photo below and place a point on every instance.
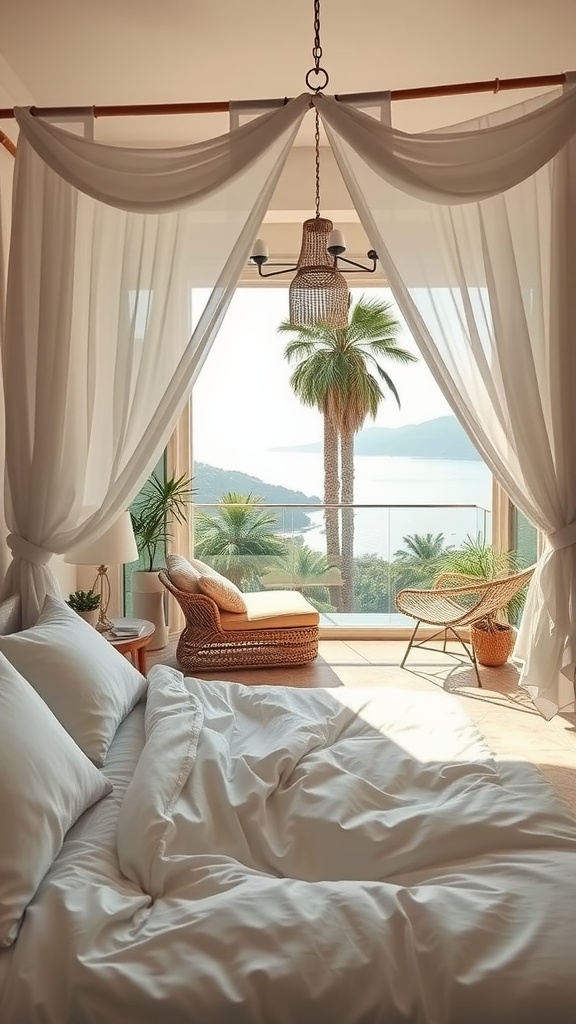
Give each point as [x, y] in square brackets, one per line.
[278, 628]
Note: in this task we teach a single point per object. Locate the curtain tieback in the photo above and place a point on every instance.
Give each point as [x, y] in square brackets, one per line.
[22, 548]
[563, 538]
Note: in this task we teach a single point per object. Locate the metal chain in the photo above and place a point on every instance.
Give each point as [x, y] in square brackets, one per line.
[317, 148]
[317, 72]
[317, 49]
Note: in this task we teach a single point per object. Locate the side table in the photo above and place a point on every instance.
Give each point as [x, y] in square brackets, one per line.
[135, 646]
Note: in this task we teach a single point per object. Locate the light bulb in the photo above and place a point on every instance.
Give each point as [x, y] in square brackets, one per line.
[260, 252]
[336, 244]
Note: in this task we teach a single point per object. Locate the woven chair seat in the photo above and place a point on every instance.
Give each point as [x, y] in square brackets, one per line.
[434, 607]
[262, 643]
[461, 600]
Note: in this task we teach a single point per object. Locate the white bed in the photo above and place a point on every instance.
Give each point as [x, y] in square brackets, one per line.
[276, 855]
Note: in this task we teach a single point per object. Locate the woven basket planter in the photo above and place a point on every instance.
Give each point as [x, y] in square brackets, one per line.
[493, 646]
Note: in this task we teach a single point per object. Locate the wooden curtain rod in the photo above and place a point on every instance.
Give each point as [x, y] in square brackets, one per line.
[7, 143]
[162, 109]
[137, 109]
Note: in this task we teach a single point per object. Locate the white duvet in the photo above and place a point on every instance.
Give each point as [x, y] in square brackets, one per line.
[285, 855]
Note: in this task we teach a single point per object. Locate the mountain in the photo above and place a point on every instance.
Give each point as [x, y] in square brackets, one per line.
[441, 438]
[210, 483]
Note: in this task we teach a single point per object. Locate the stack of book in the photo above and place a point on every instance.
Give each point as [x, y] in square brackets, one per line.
[127, 630]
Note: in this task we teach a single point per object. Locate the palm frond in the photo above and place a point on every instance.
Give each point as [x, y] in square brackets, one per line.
[338, 371]
[391, 385]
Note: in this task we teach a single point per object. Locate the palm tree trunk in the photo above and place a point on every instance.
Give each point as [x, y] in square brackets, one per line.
[331, 499]
[347, 456]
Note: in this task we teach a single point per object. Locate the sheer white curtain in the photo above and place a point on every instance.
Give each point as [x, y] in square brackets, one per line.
[476, 230]
[98, 359]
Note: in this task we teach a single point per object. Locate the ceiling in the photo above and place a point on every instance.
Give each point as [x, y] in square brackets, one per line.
[84, 52]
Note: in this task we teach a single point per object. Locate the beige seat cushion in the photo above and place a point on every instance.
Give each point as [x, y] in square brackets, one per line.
[272, 609]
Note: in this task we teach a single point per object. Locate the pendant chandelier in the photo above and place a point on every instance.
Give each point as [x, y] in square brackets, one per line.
[318, 291]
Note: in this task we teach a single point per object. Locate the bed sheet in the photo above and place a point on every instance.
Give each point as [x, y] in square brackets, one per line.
[274, 854]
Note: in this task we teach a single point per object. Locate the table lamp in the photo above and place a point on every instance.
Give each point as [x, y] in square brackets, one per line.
[114, 547]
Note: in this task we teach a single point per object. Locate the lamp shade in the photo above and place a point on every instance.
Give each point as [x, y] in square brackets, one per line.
[318, 292]
[114, 547]
[260, 251]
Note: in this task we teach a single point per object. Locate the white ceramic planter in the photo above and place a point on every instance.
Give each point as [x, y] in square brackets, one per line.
[149, 601]
[90, 616]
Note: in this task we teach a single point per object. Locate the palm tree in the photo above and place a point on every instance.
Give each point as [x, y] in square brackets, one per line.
[239, 540]
[420, 560]
[338, 372]
[424, 547]
[305, 567]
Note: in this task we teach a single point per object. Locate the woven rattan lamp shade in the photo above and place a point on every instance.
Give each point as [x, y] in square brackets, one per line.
[318, 292]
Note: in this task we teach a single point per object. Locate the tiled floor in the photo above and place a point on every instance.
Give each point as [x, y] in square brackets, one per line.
[512, 727]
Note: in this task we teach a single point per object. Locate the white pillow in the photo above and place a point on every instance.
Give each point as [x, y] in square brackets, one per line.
[222, 591]
[87, 684]
[182, 574]
[225, 593]
[202, 568]
[46, 783]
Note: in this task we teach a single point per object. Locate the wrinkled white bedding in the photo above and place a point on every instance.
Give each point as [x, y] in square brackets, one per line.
[284, 855]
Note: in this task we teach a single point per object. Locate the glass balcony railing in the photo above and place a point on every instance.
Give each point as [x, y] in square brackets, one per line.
[379, 550]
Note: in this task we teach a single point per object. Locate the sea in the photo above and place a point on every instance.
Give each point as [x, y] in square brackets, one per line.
[420, 496]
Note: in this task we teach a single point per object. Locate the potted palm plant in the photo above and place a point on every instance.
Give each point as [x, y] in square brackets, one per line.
[493, 636]
[160, 505]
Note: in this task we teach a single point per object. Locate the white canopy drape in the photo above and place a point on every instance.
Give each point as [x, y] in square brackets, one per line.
[476, 230]
[98, 359]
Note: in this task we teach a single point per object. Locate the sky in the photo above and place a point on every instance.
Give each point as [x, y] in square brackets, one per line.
[243, 399]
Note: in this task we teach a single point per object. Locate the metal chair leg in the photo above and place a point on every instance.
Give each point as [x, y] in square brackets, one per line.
[475, 663]
[407, 651]
[468, 648]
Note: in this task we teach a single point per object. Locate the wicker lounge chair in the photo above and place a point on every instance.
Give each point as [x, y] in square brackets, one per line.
[457, 601]
[280, 628]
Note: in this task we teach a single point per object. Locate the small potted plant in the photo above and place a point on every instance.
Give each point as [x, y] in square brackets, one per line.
[86, 604]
